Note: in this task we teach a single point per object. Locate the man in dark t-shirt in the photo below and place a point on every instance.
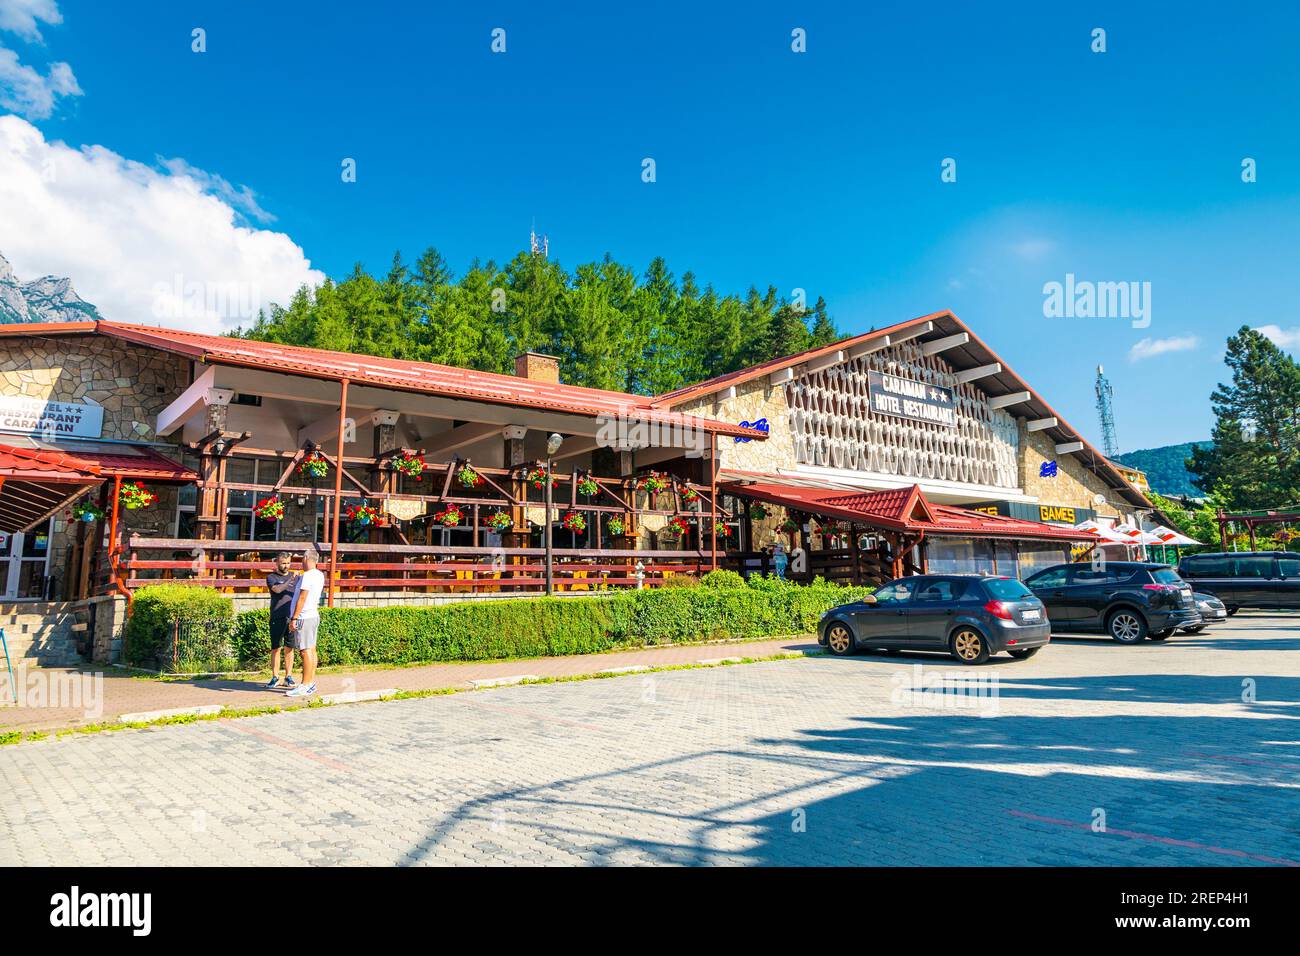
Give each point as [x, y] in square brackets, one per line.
[280, 583]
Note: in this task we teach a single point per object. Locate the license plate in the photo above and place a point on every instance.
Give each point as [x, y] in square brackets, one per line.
[1220, 613]
[1031, 615]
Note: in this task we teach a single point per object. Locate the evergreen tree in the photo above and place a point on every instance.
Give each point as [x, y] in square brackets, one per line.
[1255, 459]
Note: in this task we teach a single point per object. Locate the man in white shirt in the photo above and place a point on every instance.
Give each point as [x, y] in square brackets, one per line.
[305, 620]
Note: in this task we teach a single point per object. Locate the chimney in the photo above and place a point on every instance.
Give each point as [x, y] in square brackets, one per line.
[538, 367]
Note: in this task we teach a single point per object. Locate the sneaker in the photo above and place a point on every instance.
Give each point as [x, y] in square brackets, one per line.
[290, 682]
[305, 691]
[275, 682]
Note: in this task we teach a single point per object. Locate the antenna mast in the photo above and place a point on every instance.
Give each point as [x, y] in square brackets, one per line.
[1106, 412]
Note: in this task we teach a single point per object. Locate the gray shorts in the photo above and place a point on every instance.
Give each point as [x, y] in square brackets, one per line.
[304, 636]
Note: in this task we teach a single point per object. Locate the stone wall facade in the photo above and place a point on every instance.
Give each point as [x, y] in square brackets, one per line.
[1074, 485]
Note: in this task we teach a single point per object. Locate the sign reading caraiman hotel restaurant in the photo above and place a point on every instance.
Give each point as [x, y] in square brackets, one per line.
[36, 416]
[905, 398]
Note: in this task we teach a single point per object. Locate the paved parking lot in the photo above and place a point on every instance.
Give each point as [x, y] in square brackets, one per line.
[1183, 753]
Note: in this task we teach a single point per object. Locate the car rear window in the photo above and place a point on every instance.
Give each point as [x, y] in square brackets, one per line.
[1165, 576]
[1007, 589]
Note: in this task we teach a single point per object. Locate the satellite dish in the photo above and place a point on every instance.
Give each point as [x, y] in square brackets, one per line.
[1099, 499]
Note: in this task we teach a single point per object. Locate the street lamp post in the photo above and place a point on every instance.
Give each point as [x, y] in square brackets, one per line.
[553, 443]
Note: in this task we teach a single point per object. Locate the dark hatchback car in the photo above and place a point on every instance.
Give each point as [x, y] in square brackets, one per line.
[969, 616]
[1129, 600]
[1265, 579]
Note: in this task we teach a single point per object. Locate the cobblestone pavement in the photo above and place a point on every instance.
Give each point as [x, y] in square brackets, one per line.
[1184, 753]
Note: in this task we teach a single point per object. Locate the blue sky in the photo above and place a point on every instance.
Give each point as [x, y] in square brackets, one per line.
[818, 170]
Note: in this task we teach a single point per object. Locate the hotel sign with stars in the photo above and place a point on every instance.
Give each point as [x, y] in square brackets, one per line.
[918, 401]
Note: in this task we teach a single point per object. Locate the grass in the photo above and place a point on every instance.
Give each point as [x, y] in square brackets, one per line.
[14, 737]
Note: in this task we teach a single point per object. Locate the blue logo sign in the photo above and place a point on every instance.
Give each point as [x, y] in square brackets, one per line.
[761, 425]
[1047, 469]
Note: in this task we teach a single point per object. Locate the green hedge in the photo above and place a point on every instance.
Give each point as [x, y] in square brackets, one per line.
[155, 608]
[547, 627]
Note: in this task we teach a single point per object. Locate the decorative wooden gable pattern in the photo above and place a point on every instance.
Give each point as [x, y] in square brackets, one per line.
[834, 425]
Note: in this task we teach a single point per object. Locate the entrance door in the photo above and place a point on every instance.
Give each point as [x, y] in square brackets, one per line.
[25, 562]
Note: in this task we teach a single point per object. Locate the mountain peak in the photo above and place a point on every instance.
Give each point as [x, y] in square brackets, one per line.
[47, 299]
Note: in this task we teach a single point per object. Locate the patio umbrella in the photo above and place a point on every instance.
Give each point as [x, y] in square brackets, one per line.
[1107, 534]
[1171, 537]
[1135, 535]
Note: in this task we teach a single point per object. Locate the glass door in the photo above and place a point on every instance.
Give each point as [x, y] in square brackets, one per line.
[25, 562]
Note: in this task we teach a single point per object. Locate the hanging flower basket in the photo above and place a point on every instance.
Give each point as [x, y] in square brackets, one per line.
[314, 466]
[690, 495]
[469, 478]
[269, 509]
[723, 531]
[135, 496]
[538, 478]
[85, 511]
[412, 465]
[362, 515]
[652, 483]
[449, 516]
[757, 511]
[676, 527]
[500, 521]
[616, 525]
[790, 526]
[588, 486]
[574, 522]
[830, 527]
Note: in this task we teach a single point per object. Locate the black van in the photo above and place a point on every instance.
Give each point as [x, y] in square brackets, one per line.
[1240, 579]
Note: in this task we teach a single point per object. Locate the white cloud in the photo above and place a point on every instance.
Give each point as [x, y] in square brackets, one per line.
[1033, 249]
[25, 91]
[240, 197]
[141, 244]
[1150, 348]
[1282, 338]
[22, 16]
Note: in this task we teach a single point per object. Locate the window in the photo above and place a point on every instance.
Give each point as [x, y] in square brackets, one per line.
[1165, 576]
[941, 591]
[1007, 589]
[1289, 567]
[1254, 567]
[1055, 578]
[1086, 575]
[896, 593]
[1208, 567]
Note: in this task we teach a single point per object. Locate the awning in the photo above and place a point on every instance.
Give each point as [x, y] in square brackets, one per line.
[902, 509]
[37, 479]
[35, 483]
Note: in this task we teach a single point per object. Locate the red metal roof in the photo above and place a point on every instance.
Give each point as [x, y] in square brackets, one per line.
[902, 509]
[146, 465]
[40, 463]
[424, 377]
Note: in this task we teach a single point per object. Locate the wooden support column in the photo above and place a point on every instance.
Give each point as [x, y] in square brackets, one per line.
[338, 493]
[384, 480]
[209, 512]
[713, 500]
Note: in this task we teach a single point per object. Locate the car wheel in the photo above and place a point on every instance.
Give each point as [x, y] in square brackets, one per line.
[1024, 652]
[1232, 609]
[839, 640]
[1126, 627]
[1160, 635]
[1194, 630]
[969, 646]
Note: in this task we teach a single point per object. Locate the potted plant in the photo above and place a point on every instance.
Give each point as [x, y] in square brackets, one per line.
[677, 526]
[588, 486]
[314, 465]
[85, 511]
[575, 522]
[690, 495]
[135, 496]
[757, 511]
[500, 521]
[616, 525]
[790, 526]
[449, 516]
[469, 478]
[361, 515]
[409, 464]
[538, 477]
[269, 509]
[652, 483]
[723, 531]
